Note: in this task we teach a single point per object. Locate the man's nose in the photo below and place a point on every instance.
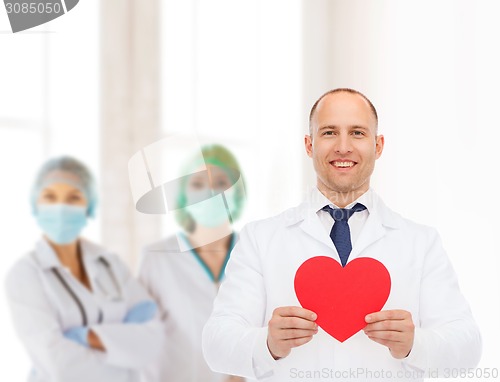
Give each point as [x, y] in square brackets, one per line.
[343, 144]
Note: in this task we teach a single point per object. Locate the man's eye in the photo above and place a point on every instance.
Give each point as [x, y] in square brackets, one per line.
[358, 133]
[328, 133]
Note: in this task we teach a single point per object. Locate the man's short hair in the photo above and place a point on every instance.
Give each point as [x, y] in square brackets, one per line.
[339, 90]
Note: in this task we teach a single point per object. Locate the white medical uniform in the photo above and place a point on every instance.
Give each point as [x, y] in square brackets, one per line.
[260, 278]
[46, 299]
[185, 289]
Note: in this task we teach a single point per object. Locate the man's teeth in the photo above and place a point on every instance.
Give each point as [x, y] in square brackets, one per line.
[343, 164]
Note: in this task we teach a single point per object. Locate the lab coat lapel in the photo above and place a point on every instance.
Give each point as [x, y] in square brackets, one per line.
[379, 223]
[372, 231]
[312, 226]
[45, 256]
[96, 270]
[90, 255]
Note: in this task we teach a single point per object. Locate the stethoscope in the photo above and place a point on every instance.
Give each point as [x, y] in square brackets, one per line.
[77, 300]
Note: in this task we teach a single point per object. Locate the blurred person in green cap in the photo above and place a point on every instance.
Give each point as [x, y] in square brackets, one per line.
[183, 272]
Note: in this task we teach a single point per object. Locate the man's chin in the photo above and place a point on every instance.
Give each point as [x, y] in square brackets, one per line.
[343, 188]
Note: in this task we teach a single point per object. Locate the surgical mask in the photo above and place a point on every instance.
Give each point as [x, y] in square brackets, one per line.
[206, 209]
[62, 223]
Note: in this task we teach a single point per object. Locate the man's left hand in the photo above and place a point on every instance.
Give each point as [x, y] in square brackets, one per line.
[392, 328]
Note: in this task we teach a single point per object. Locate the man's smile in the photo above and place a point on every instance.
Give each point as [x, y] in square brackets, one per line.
[343, 163]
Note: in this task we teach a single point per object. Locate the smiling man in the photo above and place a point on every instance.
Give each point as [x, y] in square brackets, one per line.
[258, 328]
[343, 144]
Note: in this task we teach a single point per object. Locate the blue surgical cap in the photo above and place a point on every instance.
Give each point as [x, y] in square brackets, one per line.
[66, 169]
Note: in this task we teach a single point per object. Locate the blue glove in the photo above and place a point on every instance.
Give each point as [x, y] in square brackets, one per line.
[141, 312]
[79, 335]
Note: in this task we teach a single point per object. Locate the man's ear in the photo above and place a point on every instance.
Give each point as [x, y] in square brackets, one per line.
[308, 145]
[379, 145]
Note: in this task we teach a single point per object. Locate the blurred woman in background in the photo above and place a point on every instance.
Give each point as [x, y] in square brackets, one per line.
[74, 305]
[183, 272]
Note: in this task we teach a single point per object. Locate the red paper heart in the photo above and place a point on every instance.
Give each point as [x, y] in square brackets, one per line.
[342, 297]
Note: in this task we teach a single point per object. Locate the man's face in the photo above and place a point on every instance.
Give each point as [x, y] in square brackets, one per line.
[343, 144]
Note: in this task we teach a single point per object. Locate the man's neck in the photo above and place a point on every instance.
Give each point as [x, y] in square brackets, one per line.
[342, 199]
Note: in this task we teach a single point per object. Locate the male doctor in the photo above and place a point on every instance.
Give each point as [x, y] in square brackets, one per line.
[258, 329]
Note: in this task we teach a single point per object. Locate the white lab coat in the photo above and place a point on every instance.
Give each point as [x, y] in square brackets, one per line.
[185, 292]
[43, 308]
[260, 278]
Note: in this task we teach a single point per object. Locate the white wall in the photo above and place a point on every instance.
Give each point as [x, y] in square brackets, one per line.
[232, 75]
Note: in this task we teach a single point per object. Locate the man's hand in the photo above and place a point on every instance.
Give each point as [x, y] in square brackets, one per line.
[290, 327]
[392, 328]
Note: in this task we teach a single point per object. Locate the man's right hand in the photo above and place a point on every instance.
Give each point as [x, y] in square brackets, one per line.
[290, 327]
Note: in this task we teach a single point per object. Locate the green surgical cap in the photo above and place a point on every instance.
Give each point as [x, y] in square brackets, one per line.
[219, 156]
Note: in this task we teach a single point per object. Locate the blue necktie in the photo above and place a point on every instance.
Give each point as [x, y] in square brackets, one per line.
[340, 233]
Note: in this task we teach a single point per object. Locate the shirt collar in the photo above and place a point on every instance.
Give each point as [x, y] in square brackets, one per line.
[317, 200]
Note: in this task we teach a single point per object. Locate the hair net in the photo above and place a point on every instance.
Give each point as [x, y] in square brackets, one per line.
[219, 156]
[66, 169]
